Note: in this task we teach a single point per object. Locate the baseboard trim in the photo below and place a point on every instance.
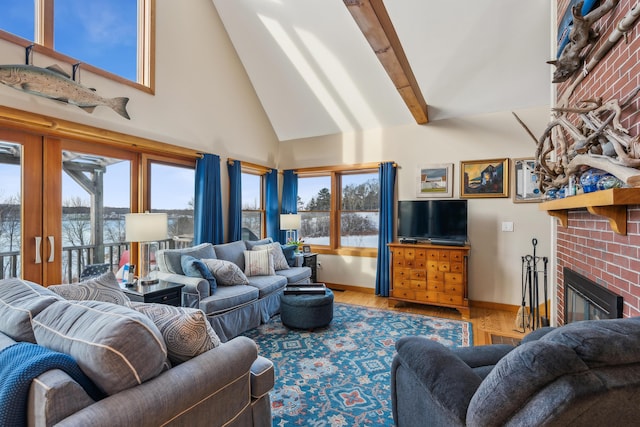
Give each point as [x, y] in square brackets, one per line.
[475, 304]
[494, 306]
[338, 287]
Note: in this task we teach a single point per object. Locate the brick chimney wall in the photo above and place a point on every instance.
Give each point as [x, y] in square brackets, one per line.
[588, 245]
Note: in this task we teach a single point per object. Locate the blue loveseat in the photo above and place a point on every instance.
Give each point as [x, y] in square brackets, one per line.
[233, 309]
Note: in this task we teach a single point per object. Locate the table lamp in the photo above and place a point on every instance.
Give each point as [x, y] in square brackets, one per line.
[291, 223]
[145, 228]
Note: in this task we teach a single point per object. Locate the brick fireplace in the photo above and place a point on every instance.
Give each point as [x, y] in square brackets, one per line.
[588, 245]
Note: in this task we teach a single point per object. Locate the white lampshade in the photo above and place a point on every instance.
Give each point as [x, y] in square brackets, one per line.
[290, 221]
[145, 227]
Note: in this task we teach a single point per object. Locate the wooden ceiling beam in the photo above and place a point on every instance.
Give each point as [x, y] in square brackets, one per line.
[373, 20]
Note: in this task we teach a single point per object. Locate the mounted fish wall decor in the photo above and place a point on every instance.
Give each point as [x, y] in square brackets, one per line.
[52, 82]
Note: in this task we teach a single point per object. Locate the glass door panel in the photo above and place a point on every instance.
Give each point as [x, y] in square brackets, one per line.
[96, 194]
[22, 246]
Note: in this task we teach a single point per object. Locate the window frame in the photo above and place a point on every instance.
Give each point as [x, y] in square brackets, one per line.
[43, 44]
[335, 214]
[261, 171]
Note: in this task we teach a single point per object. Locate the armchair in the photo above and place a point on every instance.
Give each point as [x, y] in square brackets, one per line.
[584, 373]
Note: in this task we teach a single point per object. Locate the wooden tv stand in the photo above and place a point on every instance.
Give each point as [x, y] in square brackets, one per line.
[430, 274]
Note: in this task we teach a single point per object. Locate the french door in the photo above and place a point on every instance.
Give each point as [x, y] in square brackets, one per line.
[61, 205]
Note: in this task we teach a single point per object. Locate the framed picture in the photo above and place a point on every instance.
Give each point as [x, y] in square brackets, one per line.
[525, 182]
[306, 249]
[435, 180]
[484, 178]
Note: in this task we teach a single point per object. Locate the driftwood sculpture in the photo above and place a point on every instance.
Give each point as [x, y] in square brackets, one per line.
[582, 35]
[599, 142]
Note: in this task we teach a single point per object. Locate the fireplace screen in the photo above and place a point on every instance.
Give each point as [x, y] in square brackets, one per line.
[586, 300]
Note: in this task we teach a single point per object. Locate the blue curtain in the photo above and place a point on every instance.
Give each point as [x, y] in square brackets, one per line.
[207, 202]
[234, 167]
[387, 178]
[289, 197]
[271, 204]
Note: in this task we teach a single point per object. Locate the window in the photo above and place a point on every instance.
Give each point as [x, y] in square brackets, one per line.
[252, 204]
[173, 191]
[340, 209]
[109, 37]
[359, 213]
[314, 205]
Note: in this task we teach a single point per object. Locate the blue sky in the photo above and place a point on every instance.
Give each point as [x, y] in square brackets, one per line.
[99, 32]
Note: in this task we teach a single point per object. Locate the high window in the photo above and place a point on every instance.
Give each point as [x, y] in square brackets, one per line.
[112, 38]
[339, 209]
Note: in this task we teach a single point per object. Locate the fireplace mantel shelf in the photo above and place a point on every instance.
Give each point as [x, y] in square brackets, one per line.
[611, 204]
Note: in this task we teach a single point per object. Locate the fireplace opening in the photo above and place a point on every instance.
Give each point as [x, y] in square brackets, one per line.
[584, 299]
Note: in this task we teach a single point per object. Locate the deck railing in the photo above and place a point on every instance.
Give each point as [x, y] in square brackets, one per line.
[75, 258]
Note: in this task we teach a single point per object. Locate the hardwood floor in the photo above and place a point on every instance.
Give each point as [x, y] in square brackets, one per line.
[486, 322]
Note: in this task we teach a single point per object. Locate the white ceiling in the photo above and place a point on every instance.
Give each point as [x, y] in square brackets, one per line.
[315, 73]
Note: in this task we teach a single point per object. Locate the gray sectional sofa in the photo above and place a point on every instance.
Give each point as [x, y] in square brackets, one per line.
[231, 308]
[142, 376]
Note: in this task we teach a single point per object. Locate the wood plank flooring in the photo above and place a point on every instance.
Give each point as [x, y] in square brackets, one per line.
[486, 322]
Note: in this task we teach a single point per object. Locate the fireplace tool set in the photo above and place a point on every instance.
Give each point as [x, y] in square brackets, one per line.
[531, 287]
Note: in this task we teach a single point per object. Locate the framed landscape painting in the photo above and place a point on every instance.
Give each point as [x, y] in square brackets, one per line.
[525, 182]
[435, 180]
[484, 178]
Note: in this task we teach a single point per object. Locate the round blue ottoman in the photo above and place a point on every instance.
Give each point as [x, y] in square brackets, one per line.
[306, 311]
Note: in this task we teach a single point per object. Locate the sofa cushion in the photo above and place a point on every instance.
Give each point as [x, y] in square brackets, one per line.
[229, 297]
[102, 288]
[268, 284]
[279, 260]
[186, 331]
[226, 273]
[296, 274]
[289, 252]
[258, 263]
[170, 260]
[194, 267]
[20, 302]
[115, 346]
[250, 244]
[233, 252]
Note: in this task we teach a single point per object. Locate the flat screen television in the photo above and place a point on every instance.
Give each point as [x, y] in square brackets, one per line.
[437, 221]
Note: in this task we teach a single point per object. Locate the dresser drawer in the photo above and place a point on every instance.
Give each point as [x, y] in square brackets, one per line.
[404, 293]
[419, 285]
[450, 299]
[427, 296]
[453, 289]
[453, 278]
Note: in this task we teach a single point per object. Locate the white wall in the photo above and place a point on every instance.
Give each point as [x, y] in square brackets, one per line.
[495, 260]
[205, 101]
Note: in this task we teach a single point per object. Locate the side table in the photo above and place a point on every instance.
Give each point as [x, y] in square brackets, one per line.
[311, 260]
[160, 293]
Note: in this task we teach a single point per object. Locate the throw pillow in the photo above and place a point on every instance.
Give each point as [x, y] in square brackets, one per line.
[115, 346]
[289, 252]
[186, 331]
[102, 288]
[20, 302]
[258, 263]
[279, 260]
[193, 267]
[226, 272]
[251, 243]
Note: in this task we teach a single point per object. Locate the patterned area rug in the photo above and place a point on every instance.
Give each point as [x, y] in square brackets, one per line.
[340, 375]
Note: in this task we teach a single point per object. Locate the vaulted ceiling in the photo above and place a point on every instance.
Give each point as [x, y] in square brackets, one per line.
[316, 73]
